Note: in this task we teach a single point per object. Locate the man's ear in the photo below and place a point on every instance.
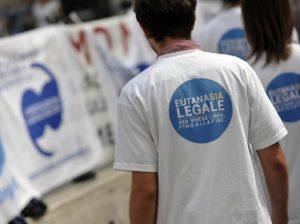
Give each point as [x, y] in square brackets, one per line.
[146, 31]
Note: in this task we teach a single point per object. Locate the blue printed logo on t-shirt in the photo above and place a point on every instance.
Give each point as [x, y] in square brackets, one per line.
[284, 93]
[2, 158]
[234, 43]
[200, 110]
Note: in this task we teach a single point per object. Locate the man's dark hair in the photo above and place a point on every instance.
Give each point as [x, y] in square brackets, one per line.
[162, 18]
[231, 1]
[269, 27]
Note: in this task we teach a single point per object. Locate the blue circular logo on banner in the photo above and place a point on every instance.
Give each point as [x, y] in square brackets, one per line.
[234, 43]
[2, 158]
[200, 110]
[284, 93]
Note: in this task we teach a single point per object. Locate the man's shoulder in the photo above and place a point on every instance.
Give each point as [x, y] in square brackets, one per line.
[137, 84]
[224, 60]
[217, 61]
[229, 67]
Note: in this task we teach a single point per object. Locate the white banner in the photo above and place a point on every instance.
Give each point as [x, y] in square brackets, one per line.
[94, 90]
[45, 119]
[110, 52]
[15, 191]
[58, 93]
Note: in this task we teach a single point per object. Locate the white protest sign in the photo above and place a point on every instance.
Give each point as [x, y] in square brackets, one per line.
[109, 55]
[46, 124]
[15, 191]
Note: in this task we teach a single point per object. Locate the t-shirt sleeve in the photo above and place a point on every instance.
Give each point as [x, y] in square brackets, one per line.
[135, 149]
[266, 127]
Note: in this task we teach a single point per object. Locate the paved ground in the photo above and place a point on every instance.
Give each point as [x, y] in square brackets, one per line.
[101, 201]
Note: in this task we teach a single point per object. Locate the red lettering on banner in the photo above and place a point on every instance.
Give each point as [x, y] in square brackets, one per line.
[81, 45]
[106, 35]
[125, 36]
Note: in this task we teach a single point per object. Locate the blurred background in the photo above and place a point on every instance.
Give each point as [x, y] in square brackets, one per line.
[22, 15]
[106, 50]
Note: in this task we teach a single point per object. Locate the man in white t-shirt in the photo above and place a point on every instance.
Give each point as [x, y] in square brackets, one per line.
[193, 127]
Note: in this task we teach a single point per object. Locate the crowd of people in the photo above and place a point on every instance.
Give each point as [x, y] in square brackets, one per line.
[29, 14]
[211, 138]
[210, 131]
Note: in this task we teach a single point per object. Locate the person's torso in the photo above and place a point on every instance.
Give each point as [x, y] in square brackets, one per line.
[282, 84]
[197, 109]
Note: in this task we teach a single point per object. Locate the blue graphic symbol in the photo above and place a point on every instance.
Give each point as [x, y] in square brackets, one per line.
[234, 43]
[200, 110]
[42, 110]
[2, 158]
[141, 67]
[284, 93]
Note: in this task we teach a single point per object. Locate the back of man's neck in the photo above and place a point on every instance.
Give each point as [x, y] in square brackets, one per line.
[177, 45]
[170, 40]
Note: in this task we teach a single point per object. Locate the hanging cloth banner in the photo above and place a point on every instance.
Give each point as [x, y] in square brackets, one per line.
[108, 55]
[45, 119]
[15, 191]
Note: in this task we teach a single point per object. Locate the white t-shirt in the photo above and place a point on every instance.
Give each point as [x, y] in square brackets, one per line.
[191, 117]
[282, 83]
[225, 34]
[205, 11]
[43, 12]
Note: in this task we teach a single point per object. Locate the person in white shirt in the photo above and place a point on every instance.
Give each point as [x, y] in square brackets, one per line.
[46, 12]
[276, 60]
[192, 129]
[225, 33]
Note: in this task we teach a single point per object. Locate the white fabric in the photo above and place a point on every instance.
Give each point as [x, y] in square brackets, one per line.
[43, 105]
[213, 182]
[110, 52]
[295, 36]
[212, 33]
[44, 11]
[291, 143]
[15, 191]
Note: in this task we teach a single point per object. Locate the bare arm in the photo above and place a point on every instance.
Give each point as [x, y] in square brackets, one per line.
[143, 198]
[275, 169]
